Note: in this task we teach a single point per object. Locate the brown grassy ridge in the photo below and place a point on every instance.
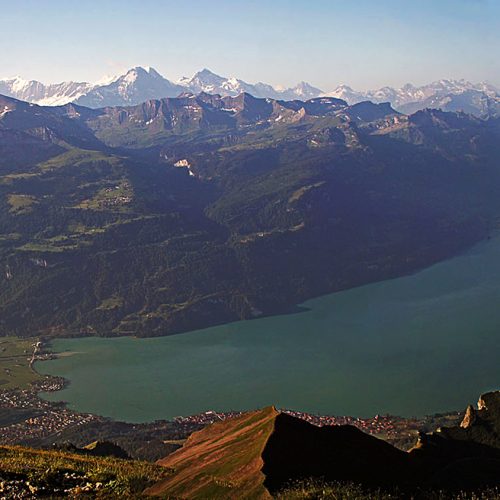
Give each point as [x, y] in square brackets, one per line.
[222, 461]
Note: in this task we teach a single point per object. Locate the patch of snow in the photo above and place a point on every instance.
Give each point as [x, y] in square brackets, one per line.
[5, 110]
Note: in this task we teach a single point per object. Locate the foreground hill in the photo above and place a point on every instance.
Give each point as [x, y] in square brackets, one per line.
[225, 457]
[267, 454]
[259, 453]
[184, 212]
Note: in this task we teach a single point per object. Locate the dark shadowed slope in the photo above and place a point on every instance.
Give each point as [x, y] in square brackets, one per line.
[257, 454]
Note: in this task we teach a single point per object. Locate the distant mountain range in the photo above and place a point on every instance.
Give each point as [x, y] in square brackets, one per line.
[479, 99]
[141, 84]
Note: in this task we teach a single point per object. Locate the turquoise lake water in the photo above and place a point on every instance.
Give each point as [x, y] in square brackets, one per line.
[414, 345]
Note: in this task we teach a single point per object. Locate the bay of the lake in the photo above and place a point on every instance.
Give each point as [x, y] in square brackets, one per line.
[415, 345]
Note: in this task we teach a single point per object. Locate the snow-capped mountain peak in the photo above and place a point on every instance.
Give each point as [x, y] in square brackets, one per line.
[137, 85]
[19, 84]
[346, 93]
[410, 98]
[212, 83]
[133, 74]
[205, 81]
[39, 93]
[140, 84]
[305, 91]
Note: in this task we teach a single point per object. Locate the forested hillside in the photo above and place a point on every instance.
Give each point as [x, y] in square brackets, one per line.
[185, 212]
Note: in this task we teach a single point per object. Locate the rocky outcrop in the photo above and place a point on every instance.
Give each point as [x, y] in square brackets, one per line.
[464, 456]
[481, 426]
[469, 417]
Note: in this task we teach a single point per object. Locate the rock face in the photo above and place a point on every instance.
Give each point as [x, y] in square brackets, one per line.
[469, 417]
[481, 426]
[465, 456]
[257, 454]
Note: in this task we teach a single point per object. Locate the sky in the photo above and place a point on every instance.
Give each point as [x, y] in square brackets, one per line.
[363, 43]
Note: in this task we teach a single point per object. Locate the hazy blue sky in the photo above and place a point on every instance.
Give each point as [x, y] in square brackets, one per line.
[365, 43]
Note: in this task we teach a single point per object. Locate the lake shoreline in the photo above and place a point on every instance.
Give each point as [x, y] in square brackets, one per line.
[349, 353]
[300, 305]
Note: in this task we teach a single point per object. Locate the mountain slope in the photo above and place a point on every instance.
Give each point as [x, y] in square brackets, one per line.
[224, 458]
[258, 454]
[185, 212]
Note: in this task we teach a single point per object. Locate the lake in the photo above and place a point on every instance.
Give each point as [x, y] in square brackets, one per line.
[415, 345]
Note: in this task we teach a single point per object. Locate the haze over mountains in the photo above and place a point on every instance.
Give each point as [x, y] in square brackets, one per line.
[141, 84]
